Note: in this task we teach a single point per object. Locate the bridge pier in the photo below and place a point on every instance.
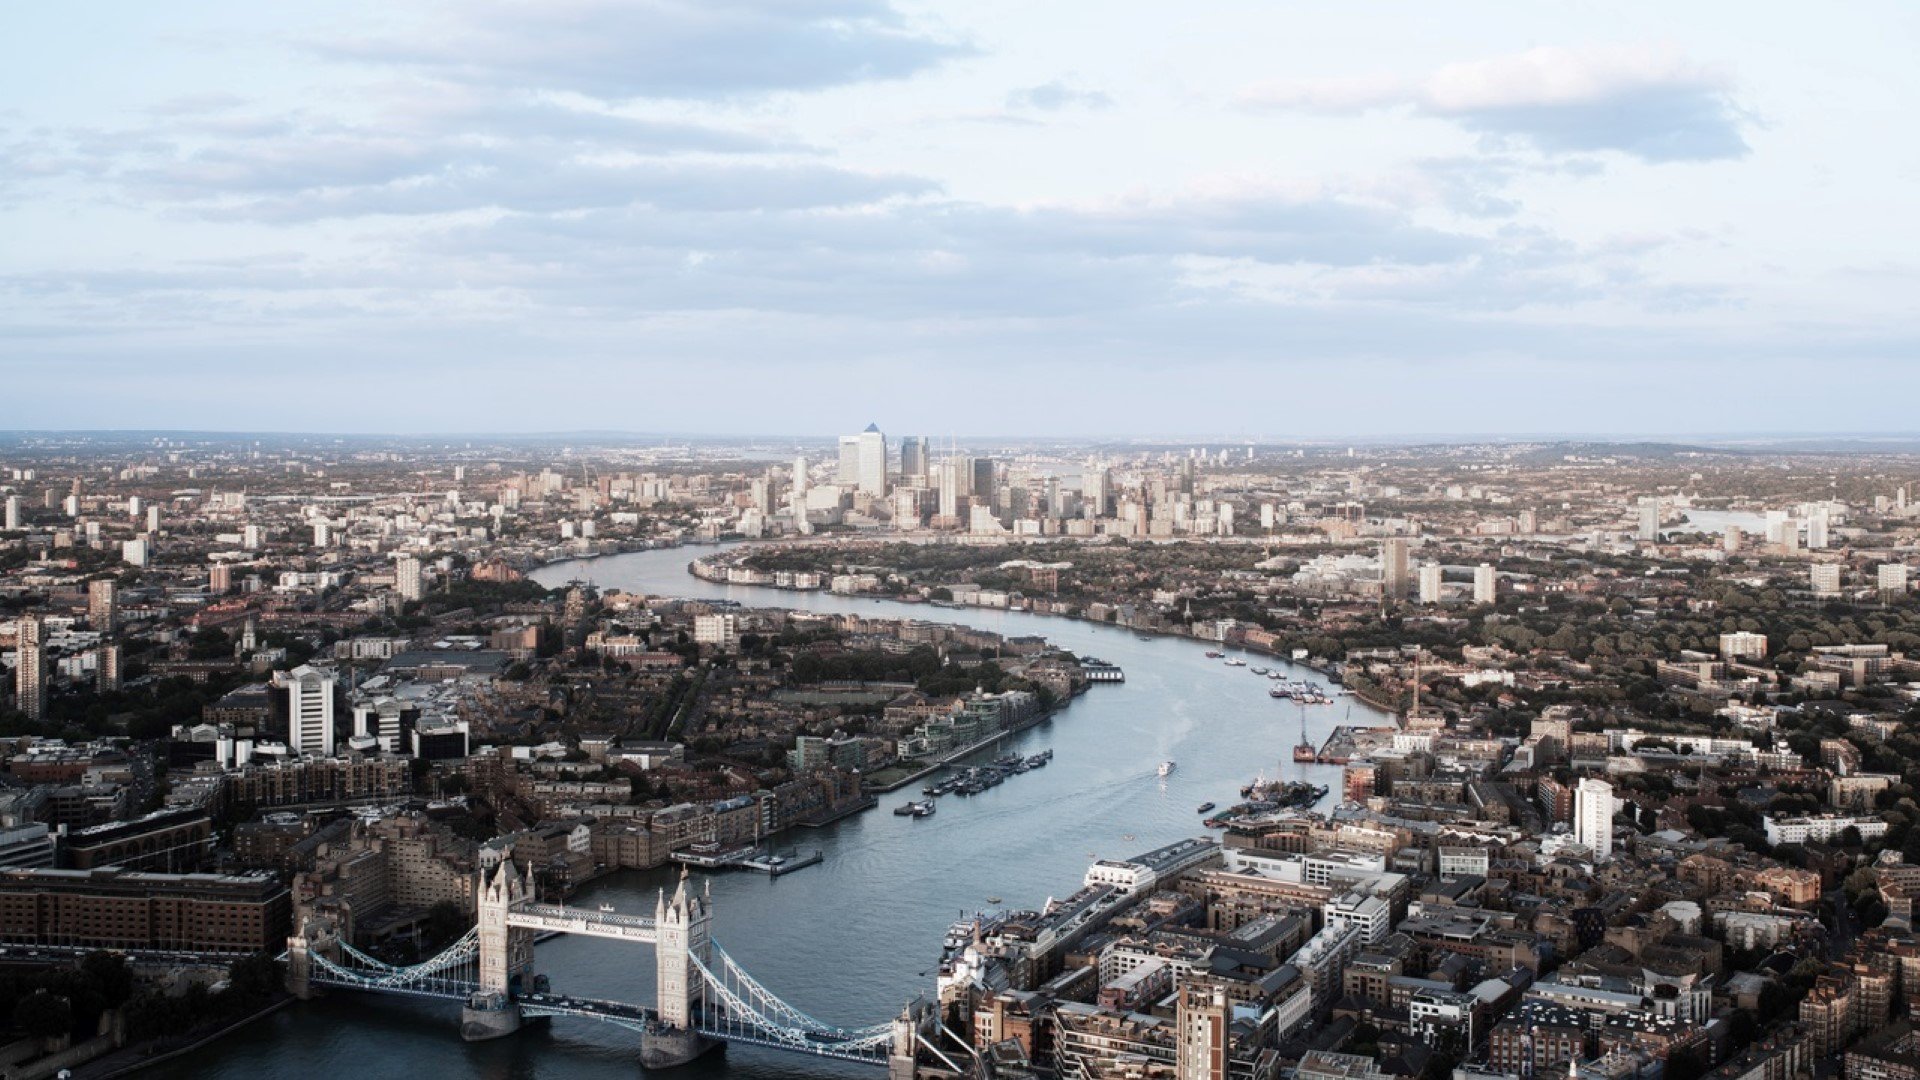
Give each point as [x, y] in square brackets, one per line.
[663, 1047]
[488, 1016]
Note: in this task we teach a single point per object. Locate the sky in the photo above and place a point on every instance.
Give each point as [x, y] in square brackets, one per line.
[1243, 218]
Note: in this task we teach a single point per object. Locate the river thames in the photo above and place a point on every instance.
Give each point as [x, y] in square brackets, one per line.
[854, 938]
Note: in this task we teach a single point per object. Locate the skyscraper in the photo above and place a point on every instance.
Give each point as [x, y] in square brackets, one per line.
[102, 605]
[1393, 568]
[13, 512]
[1593, 817]
[848, 474]
[950, 488]
[913, 461]
[980, 484]
[30, 668]
[871, 472]
[1649, 518]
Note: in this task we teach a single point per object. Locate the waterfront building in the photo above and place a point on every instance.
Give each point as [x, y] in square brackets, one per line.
[113, 908]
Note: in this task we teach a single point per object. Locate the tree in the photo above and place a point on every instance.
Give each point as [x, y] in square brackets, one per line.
[44, 1015]
[111, 973]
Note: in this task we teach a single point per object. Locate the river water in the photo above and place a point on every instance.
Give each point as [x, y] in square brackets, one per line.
[852, 939]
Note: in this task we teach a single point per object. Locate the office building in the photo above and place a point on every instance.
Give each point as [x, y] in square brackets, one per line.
[1430, 583]
[913, 461]
[409, 578]
[1486, 584]
[309, 711]
[870, 462]
[1593, 817]
[800, 482]
[30, 667]
[102, 605]
[848, 473]
[981, 483]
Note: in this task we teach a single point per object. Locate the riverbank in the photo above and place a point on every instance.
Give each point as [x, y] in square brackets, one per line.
[130, 1060]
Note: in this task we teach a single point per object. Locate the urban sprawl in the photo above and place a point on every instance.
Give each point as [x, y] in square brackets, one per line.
[1630, 792]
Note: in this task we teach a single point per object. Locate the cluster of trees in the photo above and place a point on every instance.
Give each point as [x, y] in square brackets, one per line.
[53, 1002]
[252, 982]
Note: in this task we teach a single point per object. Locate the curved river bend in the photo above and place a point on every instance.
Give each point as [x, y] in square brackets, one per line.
[854, 938]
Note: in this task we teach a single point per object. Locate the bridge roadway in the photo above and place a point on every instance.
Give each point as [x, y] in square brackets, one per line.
[566, 920]
[636, 1017]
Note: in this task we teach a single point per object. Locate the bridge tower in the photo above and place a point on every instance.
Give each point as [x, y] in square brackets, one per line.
[684, 928]
[506, 954]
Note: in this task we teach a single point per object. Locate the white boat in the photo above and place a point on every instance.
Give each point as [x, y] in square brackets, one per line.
[1166, 767]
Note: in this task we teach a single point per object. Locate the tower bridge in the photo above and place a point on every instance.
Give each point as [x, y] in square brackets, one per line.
[703, 998]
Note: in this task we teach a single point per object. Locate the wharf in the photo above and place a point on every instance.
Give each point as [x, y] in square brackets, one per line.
[775, 865]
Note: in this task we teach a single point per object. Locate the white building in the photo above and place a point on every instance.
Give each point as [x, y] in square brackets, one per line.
[1742, 645]
[309, 711]
[1485, 584]
[1893, 577]
[1825, 578]
[1593, 817]
[1820, 828]
[1430, 583]
[721, 631]
[1372, 916]
[409, 578]
[134, 552]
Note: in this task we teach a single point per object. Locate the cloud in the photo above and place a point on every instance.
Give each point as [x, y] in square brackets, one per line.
[630, 49]
[1057, 95]
[1647, 102]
